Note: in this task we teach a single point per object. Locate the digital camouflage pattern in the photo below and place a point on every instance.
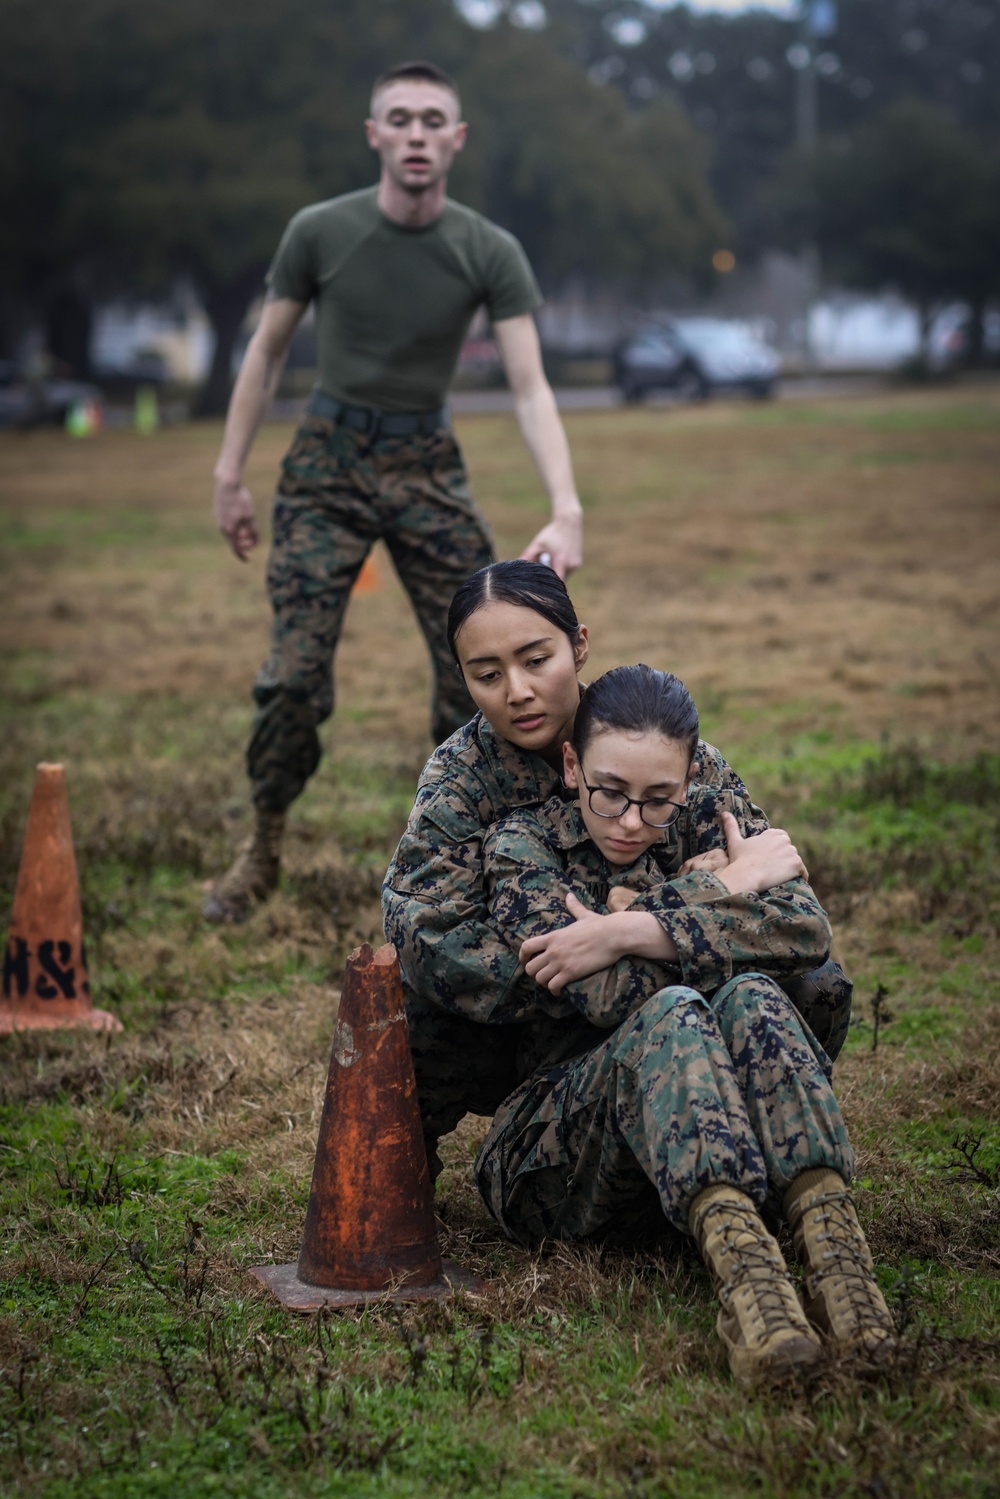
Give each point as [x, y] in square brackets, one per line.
[433, 899]
[340, 491]
[459, 973]
[434, 902]
[823, 998]
[687, 1093]
[531, 859]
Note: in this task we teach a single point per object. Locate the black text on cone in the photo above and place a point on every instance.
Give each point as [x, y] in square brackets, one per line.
[45, 982]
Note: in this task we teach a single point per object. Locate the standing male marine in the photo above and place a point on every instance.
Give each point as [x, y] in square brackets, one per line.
[396, 272]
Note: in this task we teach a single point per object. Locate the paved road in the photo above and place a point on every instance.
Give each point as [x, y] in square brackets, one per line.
[592, 397]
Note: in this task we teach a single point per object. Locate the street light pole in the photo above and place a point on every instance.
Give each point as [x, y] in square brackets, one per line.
[817, 20]
[805, 98]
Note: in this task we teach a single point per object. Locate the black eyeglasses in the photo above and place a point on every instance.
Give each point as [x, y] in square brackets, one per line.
[607, 803]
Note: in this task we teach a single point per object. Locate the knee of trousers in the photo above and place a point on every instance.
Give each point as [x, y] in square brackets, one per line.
[303, 702]
[745, 993]
[657, 1015]
[755, 1002]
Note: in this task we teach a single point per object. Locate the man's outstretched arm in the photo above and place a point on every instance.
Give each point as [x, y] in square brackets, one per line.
[255, 386]
[542, 429]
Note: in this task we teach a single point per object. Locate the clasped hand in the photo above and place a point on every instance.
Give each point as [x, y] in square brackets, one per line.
[593, 941]
[571, 952]
[757, 863]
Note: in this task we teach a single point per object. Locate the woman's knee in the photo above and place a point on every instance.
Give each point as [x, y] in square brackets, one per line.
[755, 1006]
[658, 1015]
[748, 993]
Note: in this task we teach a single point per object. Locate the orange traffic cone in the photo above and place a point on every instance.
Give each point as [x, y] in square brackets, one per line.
[369, 579]
[45, 984]
[370, 1222]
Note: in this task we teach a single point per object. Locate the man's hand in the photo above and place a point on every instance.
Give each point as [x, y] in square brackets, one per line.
[235, 518]
[759, 863]
[542, 429]
[588, 945]
[255, 385]
[560, 542]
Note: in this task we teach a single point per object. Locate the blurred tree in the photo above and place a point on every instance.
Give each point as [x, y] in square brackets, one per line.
[909, 200]
[46, 267]
[591, 188]
[727, 72]
[175, 138]
[732, 75]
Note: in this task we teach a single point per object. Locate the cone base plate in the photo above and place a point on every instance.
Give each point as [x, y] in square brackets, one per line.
[284, 1283]
[29, 1020]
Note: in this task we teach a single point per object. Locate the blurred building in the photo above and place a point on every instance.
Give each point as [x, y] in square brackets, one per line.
[832, 331]
[170, 341]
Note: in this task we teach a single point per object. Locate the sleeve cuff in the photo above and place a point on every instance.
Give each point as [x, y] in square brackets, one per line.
[700, 888]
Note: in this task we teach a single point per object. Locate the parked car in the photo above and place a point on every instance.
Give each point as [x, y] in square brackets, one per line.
[696, 356]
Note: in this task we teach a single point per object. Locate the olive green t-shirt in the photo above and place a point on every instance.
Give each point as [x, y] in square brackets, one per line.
[393, 305]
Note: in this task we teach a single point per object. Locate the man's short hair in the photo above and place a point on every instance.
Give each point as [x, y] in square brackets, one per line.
[428, 72]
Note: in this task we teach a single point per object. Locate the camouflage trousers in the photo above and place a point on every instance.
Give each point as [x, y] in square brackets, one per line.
[341, 491]
[685, 1094]
[465, 1067]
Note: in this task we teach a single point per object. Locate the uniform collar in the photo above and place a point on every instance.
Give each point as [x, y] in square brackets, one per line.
[523, 778]
[567, 830]
[564, 823]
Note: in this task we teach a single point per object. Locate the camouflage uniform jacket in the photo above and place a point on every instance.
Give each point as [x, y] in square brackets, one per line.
[530, 861]
[434, 903]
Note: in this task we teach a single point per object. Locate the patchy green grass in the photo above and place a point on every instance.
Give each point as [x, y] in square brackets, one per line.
[833, 607]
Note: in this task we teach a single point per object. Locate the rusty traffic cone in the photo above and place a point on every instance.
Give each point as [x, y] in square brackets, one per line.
[45, 983]
[370, 1222]
[369, 579]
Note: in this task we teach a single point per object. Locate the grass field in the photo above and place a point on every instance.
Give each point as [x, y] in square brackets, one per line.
[824, 577]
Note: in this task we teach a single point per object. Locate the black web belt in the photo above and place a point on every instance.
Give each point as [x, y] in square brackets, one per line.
[377, 423]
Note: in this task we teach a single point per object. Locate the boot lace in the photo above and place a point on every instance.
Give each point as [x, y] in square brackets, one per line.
[755, 1263]
[845, 1255]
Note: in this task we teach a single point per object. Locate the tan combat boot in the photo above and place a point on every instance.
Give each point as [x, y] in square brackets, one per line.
[253, 875]
[842, 1298]
[760, 1321]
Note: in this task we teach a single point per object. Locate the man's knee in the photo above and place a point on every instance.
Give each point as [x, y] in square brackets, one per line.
[297, 674]
[285, 709]
[294, 703]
